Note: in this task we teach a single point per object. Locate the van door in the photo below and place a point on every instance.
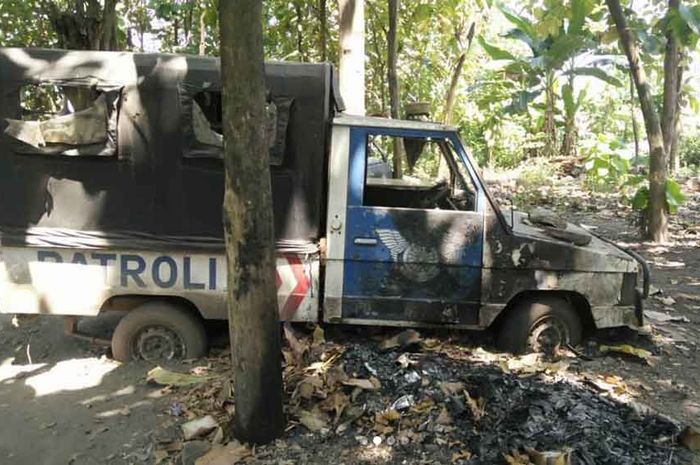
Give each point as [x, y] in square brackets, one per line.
[410, 228]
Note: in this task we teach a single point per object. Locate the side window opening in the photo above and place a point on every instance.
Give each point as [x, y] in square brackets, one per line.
[415, 172]
[204, 109]
[207, 118]
[65, 120]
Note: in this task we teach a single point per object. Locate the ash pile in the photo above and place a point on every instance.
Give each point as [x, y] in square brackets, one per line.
[407, 402]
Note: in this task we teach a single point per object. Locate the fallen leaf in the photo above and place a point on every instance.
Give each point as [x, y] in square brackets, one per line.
[230, 454]
[450, 387]
[516, 458]
[463, 454]
[404, 339]
[165, 377]
[444, 418]
[318, 336]
[476, 409]
[628, 350]
[666, 300]
[690, 438]
[335, 403]
[387, 416]
[371, 384]
[549, 457]
[314, 421]
[298, 347]
[199, 427]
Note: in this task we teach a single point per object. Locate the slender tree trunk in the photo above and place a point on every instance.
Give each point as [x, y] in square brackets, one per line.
[452, 89]
[550, 128]
[109, 26]
[203, 32]
[393, 80]
[323, 28]
[633, 116]
[248, 227]
[352, 55]
[670, 97]
[176, 31]
[568, 143]
[457, 70]
[674, 162]
[657, 220]
[298, 11]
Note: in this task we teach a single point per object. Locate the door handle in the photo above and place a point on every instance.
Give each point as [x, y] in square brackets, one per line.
[365, 241]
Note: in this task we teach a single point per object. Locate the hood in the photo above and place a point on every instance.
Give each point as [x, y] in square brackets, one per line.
[554, 253]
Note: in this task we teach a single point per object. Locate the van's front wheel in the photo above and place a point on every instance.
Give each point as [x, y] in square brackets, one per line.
[159, 331]
[541, 325]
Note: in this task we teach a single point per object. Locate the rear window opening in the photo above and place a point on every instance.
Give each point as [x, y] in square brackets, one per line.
[207, 126]
[64, 120]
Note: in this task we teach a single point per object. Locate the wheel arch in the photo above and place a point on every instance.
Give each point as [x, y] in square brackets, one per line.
[128, 302]
[577, 301]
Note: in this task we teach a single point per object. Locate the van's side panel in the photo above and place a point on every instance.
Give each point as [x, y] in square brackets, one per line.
[78, 281]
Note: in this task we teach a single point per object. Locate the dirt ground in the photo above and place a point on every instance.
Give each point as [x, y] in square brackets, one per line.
[63, 401]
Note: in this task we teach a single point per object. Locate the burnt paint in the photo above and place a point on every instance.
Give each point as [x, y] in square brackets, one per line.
[419, 265]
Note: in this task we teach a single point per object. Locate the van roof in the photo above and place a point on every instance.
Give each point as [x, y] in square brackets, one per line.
[376, 122]
[118, 68]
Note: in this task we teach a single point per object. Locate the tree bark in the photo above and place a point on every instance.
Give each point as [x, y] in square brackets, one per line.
[248, 227]
[323, 28]
[84, 24]
[657, 221]
[352, 55]
[299, 14]
[670, 97]
[393, 80]
[635, 127]
[550, 128]
[203, 32]
[457, 70]
[452, 89]
[109, 39]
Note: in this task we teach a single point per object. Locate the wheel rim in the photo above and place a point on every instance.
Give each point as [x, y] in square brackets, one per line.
[548, 334]
[158, 343]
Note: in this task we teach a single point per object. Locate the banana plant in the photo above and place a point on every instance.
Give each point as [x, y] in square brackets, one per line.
[558, 41]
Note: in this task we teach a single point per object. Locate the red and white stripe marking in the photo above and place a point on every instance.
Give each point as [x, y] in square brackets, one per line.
[295, 283]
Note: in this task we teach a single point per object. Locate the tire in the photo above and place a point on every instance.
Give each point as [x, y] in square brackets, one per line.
[159, 331]
[539, 325]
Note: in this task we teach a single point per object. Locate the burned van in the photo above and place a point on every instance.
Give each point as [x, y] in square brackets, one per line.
[111, 186]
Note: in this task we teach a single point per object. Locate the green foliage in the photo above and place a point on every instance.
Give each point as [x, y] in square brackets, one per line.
[674, 197]
[24, 24]
[689, 150]
[606, 166]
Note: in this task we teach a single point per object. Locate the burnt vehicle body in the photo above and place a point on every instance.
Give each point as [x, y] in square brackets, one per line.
[111, 183]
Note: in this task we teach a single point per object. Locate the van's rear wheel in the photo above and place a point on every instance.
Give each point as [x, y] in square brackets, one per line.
[159, 331]
[541, 325]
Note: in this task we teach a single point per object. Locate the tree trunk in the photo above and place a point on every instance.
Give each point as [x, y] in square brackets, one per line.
[457, 70]
[323, 28]
[203, 32]
[352, 55]
[298, 11]
[657, 220]
[670, 98]
[674, 162]
[550, 128]
[568, 143]
[635, 127]
[452, 90]
[109, 26]
[248, 227]
[84, 25]
[393, 80]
